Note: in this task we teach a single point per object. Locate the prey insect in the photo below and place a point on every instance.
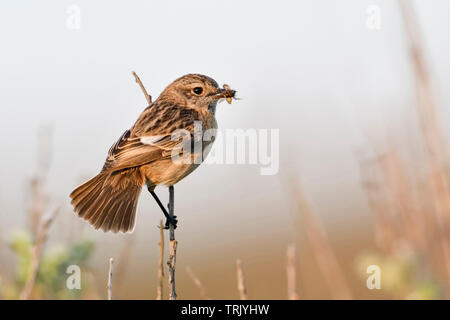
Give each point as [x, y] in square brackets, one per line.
[228, 94]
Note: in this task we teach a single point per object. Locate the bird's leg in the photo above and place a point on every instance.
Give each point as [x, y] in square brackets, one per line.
[171, 212]
[170, 220]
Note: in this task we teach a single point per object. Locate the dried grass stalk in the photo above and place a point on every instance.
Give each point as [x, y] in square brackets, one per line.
[241, 285]
[197, 283]
[159, 292]
[172, 264]
[139, 82]
[291, 273]
[36, 250]
[110, 275]
[172, 248]
[325, 257]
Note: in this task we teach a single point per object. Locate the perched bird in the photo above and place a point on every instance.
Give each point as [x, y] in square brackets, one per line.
[143, 154]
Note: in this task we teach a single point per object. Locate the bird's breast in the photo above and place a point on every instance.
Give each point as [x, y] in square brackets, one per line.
[171, 170]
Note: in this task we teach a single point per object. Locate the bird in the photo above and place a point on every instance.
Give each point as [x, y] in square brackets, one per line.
[143, 155]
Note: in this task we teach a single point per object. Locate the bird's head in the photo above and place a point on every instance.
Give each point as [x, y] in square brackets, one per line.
[197, 91]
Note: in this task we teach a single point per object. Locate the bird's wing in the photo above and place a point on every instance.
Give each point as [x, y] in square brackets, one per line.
[131, 151]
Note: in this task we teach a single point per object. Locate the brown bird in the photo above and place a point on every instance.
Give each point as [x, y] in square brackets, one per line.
[143, 155]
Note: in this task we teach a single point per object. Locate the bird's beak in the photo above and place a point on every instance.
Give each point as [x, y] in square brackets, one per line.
[225, 93]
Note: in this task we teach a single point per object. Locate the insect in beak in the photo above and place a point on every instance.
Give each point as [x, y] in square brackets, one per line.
[226, 93]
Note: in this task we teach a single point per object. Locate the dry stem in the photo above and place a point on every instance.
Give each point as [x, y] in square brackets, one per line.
[325, 256]
[291, 273]
[36, 250]
[172, 248]
[171, 265]
[110, 274]
[197, 283]
[159, 294]
[173, 243]
[139, 82]
[242, 288]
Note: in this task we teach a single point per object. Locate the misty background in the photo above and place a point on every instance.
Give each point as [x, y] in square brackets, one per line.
[312, 69]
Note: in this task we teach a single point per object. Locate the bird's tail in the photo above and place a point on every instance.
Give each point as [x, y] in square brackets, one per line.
[108, 202]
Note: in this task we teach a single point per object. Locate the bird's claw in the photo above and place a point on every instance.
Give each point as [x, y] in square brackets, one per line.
[171, 221]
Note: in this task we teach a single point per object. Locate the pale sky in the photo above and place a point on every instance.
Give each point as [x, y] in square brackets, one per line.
[309, 68]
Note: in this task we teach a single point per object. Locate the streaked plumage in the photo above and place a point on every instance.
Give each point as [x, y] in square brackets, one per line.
[142, 155]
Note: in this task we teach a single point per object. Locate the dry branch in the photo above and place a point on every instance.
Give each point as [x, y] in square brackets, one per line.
[110, 274]
[36, 250]
[159, 294]
[171, 266]
[171, 263]
[172, 249]
[139, 82]
[242, 288]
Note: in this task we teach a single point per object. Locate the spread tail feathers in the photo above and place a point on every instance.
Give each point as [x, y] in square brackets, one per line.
[108, 202]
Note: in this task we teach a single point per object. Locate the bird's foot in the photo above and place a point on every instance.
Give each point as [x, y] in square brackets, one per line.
[171, 221]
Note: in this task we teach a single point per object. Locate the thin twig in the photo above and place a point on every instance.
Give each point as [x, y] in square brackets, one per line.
[172, 249]
[139, 82]
[171, 264]
[110, 274]
[242, 288]
[197, 283]
[159, 294]
[41, 237]
[171, 211]
[291, 273]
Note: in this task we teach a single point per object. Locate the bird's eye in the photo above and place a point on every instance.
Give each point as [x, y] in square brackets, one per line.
[198, 90]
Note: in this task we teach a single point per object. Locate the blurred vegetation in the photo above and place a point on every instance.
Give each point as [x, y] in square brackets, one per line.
[404, 275]
[411, 229]
[52, 274]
